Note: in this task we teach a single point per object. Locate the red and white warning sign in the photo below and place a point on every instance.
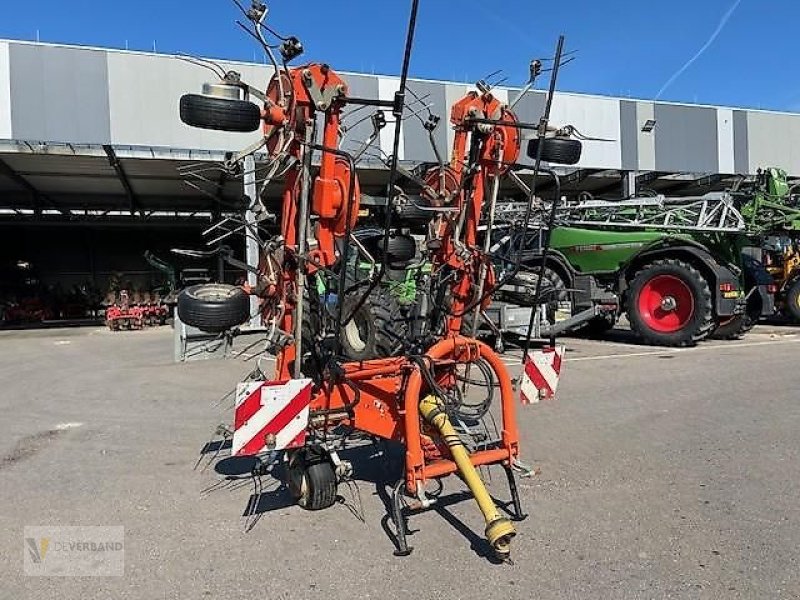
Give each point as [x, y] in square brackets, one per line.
[540, 375]
[270, 415]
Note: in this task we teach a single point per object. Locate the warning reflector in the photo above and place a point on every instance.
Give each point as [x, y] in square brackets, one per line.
[540, 374]
[270, 415]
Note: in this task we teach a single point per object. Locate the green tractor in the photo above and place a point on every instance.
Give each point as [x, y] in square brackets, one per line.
[678, 267]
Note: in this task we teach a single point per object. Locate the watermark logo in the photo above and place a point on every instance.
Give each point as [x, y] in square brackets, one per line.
[74, 551]
[37, 548]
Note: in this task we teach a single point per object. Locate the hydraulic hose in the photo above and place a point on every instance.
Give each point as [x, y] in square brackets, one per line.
[499, 530]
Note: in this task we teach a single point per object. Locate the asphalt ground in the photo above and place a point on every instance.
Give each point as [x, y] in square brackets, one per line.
[662, 473]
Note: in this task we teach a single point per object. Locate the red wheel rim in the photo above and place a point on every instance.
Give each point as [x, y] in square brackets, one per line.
[666, 303]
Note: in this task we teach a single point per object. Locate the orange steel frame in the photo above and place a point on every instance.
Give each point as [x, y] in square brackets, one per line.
[381, 396]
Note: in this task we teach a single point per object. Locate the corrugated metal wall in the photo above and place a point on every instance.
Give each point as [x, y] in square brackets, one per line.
[79, 95]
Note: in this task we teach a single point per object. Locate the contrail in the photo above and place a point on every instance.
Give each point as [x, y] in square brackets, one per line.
[705, 47]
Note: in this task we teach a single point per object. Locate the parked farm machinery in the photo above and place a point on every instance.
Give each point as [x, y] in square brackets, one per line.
[681, 268]
[135, 313]
[423, 380]
[771, 211]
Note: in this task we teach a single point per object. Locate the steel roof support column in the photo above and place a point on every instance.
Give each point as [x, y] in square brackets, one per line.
[36, 195]
[113, 160]
[630, 184]
[251, 244]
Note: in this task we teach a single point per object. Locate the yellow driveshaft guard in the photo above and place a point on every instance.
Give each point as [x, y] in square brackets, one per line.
[499, 530]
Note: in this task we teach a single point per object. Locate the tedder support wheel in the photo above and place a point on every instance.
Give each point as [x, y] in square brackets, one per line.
[793, 301]
[669, 304]
[377, 329]
[556, 150]
[221, 114]
[311, 478]
[213, 307]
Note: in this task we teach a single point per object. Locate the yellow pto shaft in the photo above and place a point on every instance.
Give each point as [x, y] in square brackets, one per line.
[499, 530]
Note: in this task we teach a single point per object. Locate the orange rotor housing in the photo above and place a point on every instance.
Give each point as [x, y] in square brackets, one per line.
[503, 141]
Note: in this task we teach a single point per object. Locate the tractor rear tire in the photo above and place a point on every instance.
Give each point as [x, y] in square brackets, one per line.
[311, 478]
[213, 307]
[669, 304]
[378, 328]
[220, 114]
[793, 301]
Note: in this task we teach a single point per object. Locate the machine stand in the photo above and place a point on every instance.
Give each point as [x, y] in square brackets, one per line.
[399, 518]
[512, 486]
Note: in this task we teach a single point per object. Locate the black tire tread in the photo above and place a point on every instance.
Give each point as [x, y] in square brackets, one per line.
[793, 301]
[527, 280]
[733, 329]
[220, 114]
[213, 316]
[556, 150]
[320, 479]
[322, 485]
[599, 326]
[702, 327]
[388, 329]
[411, 212]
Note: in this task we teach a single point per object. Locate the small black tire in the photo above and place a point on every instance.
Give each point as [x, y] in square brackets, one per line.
[220, 114]
[556, 150]
[521, 289]
[213, 307]
[377, 329]
[311, 478]
[402, 248]
[599, 325]
[737, 326]
[793, 301]
[700, 322]
[732, 329]
[413, 211]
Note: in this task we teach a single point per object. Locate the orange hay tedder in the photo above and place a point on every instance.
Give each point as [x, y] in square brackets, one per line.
[415, 374]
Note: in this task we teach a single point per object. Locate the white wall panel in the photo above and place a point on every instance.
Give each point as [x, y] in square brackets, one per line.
[725, 141]
[144, 91]
[646, 140]
[594, 117]
[5, 93]
[773, 141]
[501, 94]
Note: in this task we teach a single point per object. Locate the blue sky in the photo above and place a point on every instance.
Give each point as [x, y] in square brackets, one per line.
[625, 47]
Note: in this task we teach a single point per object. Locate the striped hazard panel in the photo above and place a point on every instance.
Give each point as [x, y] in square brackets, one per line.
[540, 375]
[270, 415]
